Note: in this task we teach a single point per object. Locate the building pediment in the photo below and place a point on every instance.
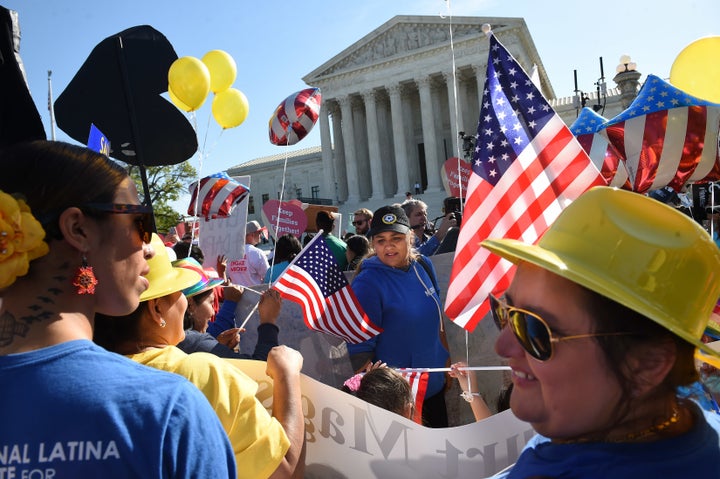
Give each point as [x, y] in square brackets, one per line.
[404, 36]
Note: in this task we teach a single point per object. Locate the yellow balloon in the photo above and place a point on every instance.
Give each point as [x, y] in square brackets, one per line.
[696, 70]
[189, 79]
[223, 70]
[176, 101]
[230, 108]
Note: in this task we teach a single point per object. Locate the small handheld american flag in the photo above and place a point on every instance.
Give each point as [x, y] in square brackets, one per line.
[314, 281]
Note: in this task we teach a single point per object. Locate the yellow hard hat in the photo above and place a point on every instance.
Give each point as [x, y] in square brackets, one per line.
[634, 250]
[165, 279]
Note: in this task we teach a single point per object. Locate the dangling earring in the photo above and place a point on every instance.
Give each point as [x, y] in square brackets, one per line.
[162, 323]
[85, 278]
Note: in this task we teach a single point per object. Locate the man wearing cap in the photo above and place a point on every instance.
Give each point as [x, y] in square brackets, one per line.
[326, 222]
[250, 270]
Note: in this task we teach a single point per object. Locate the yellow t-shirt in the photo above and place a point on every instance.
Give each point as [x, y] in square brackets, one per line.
[258, 439]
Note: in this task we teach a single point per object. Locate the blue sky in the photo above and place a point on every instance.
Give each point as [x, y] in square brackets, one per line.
[276, 43]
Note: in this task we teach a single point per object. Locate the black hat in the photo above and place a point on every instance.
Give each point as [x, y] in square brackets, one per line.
[389, 218]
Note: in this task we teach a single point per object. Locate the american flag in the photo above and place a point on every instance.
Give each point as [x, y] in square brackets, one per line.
[418, 384]
[588, 129]
[314, 280]
[218, 196]
[667, 137]
[527, 167]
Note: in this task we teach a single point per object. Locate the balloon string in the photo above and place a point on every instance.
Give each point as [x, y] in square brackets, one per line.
[207, 130]
[455, 102]
[277, 221]
[193, 121]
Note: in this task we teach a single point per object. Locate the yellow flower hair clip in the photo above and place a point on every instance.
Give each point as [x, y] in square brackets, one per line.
[21, 239]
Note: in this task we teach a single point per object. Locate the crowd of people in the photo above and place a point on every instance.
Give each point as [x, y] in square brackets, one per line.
[599, 327]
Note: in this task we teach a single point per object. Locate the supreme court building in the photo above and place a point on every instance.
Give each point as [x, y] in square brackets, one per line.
[393, 106]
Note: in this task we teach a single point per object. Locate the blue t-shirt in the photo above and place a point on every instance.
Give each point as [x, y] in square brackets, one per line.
[692, 455]
[75, 410]
[405, 304]
[275, 271]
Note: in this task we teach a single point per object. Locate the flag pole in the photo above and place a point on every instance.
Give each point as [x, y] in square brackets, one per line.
[51, 109]
[440, 370]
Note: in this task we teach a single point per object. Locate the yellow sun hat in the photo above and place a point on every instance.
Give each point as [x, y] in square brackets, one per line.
[634, 250]
[165, 279]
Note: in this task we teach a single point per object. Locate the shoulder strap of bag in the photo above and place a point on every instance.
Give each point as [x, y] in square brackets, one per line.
[426, 267]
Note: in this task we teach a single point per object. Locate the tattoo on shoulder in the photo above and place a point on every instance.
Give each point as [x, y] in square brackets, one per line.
[11, 327]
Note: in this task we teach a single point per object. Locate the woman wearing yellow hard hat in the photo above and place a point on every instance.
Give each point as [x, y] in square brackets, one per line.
[599, 327]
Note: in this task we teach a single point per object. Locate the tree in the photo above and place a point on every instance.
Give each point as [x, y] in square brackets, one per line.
[166, 184]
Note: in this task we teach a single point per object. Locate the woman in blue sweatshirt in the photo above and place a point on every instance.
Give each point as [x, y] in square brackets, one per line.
[398, 290]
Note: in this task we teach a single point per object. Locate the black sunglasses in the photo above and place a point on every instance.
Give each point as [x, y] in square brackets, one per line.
[358, 223]
[531, 331]
[144, 222]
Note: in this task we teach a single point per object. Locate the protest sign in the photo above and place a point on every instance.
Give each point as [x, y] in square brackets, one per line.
[349, 438]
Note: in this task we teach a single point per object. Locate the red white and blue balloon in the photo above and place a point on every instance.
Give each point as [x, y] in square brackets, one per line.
[295, 117]
[219, 194]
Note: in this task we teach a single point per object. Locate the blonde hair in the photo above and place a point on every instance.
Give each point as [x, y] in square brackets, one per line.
[365, 212]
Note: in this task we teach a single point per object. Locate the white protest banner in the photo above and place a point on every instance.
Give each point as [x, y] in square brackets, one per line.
[349, 438]
[225, 236]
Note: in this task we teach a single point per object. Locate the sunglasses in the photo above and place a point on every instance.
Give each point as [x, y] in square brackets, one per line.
[144, 222]
[531, 331]
[358, 223]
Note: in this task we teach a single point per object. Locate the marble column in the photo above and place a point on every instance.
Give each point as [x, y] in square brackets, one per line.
[427, 117]
[373, 137]
[480, 73]
[341, 189]
[326, 152]
[455, 109]
[348, 133]
[404, 182]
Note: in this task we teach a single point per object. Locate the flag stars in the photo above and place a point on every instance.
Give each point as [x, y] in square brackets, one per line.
[490, 146]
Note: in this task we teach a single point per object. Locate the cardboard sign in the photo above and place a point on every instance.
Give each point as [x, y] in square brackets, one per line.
[291, 219]
[311, 212]
[455, 169]
[225, 236]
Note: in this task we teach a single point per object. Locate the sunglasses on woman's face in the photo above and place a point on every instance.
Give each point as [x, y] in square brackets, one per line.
[531, 331]
[144, 222]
